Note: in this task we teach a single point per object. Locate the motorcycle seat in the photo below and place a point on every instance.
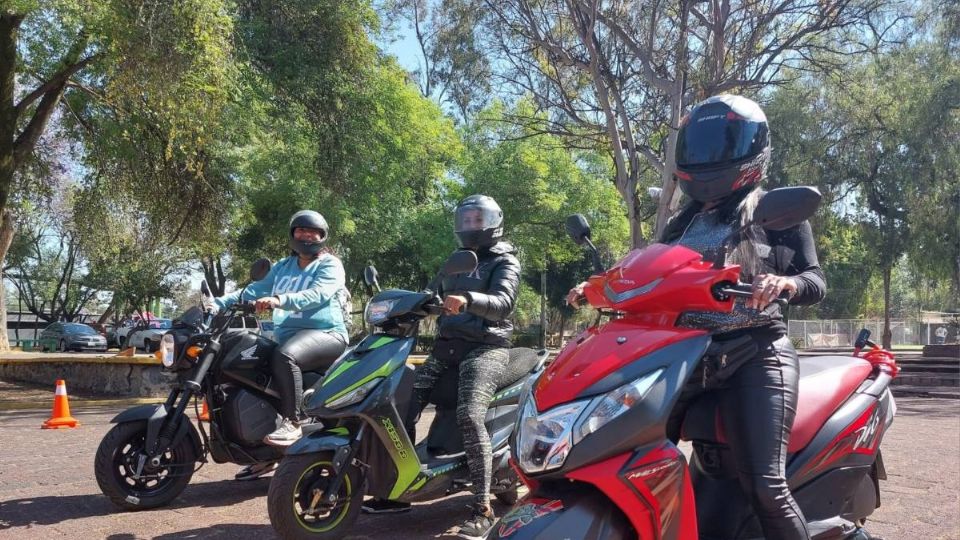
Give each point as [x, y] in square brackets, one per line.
[826, 382]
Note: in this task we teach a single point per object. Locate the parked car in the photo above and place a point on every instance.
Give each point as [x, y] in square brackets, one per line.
[71, 336]
[146, 334]
[122, 331]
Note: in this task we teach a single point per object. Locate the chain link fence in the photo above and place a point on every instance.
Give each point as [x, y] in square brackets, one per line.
[842, 332]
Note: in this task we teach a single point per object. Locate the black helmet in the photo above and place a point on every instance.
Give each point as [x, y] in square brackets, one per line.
[723, 146]
[308, 219]
[478, 222]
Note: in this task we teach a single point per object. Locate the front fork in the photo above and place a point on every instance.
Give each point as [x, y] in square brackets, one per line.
[177, 403]
[343, 456]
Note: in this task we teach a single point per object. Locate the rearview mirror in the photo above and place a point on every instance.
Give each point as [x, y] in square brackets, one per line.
[786, 207]
[578, 228]
[192, 316]
[460, 262]
[260, 268]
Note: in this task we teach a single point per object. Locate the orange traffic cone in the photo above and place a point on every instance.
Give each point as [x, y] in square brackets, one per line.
[204, 413]
[61, 410]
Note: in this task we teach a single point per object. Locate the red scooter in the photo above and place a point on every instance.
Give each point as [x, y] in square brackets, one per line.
[591, 444]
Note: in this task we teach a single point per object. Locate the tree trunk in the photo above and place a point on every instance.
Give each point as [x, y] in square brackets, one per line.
[9, 28]
[6, 236]
[669, 196]
[543, 308]
[106, 314]
[887, 334]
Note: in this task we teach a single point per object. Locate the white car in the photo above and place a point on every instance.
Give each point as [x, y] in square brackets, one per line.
[146, 334]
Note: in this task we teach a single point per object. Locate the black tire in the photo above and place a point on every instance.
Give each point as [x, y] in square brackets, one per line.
[148, 346]
[112, 467]
[290, 493]
[62, 346]
[508, 497]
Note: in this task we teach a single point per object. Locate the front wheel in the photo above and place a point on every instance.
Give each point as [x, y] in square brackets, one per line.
[119, 459]
[296, 499]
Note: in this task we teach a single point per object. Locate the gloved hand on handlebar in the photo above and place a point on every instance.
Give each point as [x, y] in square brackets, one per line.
[768, 287]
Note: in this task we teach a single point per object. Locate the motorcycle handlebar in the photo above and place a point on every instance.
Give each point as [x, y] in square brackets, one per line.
[745, 290]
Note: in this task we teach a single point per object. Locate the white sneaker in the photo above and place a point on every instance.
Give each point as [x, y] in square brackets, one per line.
[288, 433]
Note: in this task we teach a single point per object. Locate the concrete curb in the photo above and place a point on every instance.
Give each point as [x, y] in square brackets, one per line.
[77, 403]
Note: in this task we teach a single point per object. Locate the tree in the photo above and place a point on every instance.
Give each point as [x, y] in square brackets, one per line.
[161, 63]
[347, 133]
[49, 271]
[620, 76]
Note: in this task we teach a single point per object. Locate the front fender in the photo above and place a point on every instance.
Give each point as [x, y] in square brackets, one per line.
[319, 441]
[155, 416]
[577, 514]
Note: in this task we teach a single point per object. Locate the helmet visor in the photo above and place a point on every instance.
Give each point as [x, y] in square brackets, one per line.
[719, 138]
[475, 218]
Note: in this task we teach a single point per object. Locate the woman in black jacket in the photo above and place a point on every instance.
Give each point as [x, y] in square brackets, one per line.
[475, 332]
[722, 153]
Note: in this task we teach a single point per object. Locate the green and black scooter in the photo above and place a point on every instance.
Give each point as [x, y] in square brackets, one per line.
[320, 484]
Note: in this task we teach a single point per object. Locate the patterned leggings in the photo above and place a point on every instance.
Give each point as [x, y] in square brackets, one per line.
[480, 370]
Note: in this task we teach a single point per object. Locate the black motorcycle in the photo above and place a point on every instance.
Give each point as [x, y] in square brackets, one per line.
[148, 458]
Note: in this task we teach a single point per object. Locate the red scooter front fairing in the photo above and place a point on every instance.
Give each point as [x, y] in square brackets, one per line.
[591, 437]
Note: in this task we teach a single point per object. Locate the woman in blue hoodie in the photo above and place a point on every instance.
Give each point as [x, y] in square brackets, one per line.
[305, 292]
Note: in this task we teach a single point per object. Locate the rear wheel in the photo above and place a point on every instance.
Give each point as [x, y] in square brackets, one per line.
[118, 460]
[296, 500]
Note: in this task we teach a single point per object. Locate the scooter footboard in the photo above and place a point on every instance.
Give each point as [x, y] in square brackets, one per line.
[582, 513]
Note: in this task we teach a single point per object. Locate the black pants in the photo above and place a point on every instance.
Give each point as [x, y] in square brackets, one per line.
[480, 369]
[307, 350]
[757, 405]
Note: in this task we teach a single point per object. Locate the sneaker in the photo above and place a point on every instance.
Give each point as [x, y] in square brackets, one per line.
[254, 471]
[479, 524]
[288, 433]
[384, 506]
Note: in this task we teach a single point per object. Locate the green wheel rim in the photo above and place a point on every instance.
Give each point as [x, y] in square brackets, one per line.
[342, 508]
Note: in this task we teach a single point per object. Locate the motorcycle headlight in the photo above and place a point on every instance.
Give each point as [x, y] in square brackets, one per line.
[165, 352]
[544, 440]
[605, 408]
[354, 396]
[377, 312]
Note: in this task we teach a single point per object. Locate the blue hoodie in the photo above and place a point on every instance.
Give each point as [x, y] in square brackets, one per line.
[308, 297]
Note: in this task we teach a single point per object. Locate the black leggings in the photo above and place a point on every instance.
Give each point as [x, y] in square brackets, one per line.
[480, 369]
[307, 350]
[757, 405]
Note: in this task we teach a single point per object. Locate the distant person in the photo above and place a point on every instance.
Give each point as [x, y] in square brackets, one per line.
[941, 334]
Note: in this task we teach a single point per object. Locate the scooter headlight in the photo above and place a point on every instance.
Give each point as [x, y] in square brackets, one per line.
[544, 440]
[605, 408]
[166, 351]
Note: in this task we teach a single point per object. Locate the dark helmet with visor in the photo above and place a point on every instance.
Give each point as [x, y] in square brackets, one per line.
[478, 222]
[308, 219]
[722, 147]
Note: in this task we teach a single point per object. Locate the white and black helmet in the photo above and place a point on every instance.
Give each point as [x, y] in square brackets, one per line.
[308, 219]
[478, 222]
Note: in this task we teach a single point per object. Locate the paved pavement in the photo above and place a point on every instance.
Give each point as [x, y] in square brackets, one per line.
[47, 488]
